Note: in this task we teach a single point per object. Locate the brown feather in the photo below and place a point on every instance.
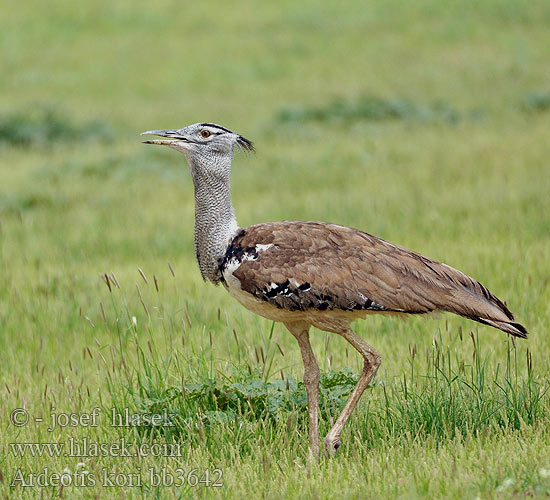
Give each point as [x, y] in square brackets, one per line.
[314, 265]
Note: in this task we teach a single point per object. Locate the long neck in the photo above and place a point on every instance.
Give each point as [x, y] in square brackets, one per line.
[215, 223]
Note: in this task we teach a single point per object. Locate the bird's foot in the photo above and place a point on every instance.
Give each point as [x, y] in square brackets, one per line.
[332, 444]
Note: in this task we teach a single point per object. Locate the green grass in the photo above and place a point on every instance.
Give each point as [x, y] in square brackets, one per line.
[424, 123]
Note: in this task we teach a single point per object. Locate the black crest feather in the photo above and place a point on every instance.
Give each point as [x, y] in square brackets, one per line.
[244, 143]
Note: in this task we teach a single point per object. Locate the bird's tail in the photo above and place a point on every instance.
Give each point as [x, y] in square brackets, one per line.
[511, 327]
[474, 301]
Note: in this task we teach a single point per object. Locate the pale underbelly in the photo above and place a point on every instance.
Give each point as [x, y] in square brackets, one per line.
[324, 320]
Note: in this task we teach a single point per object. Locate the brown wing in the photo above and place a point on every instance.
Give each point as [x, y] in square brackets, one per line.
[313, 265]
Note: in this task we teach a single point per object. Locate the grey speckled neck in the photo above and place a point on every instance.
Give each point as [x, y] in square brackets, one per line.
[215, 222]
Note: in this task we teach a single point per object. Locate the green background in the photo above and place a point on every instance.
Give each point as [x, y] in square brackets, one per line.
[425, 123]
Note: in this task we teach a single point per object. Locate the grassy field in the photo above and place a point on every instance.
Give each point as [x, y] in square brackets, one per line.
[425, 123]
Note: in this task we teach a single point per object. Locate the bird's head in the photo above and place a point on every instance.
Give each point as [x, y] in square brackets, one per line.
[201, 141]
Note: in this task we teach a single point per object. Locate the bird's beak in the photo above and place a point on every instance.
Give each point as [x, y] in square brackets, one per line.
[173, 135]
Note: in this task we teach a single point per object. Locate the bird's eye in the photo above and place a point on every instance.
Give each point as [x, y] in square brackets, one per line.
[205, 133]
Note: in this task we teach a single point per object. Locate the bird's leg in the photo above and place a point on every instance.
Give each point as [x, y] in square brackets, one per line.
[311, 381]
[371, 364]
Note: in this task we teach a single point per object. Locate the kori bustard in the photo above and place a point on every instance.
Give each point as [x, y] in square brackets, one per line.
[317, 274]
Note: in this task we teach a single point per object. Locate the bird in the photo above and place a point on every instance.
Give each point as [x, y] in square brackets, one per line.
[315, 274]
